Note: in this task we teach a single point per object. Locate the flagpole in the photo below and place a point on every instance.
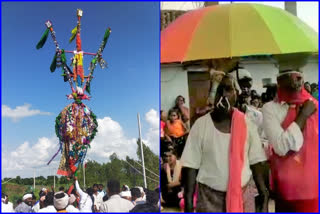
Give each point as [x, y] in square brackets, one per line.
[34, 180]
[142, 157]
[84, 175]
[54, 179]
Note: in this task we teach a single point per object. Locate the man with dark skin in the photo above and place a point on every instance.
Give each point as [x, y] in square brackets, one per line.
[26, 205]
[211, 173]
[115, 203]
[97, 197]
[291, 126]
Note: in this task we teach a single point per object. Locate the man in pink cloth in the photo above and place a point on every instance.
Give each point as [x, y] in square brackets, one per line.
[223, 150]
[291, 125]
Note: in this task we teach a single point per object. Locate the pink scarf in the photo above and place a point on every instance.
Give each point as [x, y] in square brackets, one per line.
[238, 139]
[295, 176]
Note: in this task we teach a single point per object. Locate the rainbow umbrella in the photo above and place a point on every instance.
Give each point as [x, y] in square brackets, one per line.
[235, 30]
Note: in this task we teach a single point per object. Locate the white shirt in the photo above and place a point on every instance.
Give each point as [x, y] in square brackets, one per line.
[7, 207]
[48, 209]
[116, 204]
[102, 193]
[98, 199]
[139, 201]
[72, 209]
[36, 207]
[207, 149]
[281, 140]
[85, 200]
[256, 116]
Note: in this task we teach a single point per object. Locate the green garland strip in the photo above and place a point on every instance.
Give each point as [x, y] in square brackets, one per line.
[57, 126]
[53, 65]
[43, 39]
[95, 130]
[106, 36]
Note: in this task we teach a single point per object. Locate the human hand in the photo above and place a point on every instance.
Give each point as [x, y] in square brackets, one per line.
[42, 198]
[308, 108]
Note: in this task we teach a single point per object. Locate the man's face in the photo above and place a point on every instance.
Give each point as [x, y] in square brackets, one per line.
[245, 86]
[95, 188]
[28, 201]
[292, 82]
[100, 187]
[226, 95]
[255, 103]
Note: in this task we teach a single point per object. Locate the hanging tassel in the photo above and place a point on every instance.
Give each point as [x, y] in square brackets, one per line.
[53, 63]
[88, 87]
[73, 34]
[65, 77]
[79, 81]
[63, 57]
[60, 149]
[43, 39]
[106, 36]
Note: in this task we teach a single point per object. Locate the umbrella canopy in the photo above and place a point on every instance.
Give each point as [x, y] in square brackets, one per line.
[231, 30]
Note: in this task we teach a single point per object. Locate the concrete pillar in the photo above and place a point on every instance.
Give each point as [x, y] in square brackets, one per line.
[291, 7]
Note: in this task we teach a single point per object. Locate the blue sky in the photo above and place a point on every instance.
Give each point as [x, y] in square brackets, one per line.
[129, 85]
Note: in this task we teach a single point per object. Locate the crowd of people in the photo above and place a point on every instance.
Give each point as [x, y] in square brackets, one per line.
[244, 147]
[174, 132]
[93, 199]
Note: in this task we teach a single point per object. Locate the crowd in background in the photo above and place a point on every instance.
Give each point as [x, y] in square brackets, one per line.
[93, 199]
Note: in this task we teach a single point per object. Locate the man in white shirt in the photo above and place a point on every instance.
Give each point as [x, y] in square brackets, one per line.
[86, 202]
[25, 206]
[206, 156]
[101, 190]
[6, 206]
[136, 196]
[291, 126]
[115, 203]
[48, 204]
[97, 197]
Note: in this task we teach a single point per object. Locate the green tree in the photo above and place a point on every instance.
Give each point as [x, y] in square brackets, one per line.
[18, 180]
[151, 162]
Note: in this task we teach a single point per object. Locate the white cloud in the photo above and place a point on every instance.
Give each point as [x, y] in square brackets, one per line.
[28, 157]
[152, 118]
[152, 136]
[110, 138]
[20, 112]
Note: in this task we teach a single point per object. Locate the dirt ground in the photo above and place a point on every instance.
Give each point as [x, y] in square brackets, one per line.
[173, 209]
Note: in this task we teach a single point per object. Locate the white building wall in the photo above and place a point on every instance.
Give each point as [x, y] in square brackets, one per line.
[174, 82]
[268, 70]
